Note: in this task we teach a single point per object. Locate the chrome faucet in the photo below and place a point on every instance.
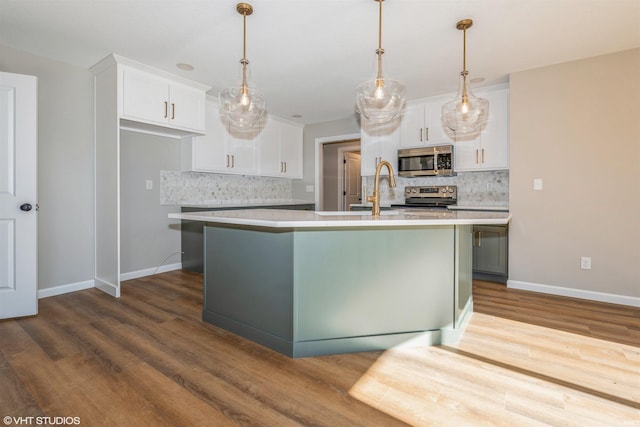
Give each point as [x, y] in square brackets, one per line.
[376, 187]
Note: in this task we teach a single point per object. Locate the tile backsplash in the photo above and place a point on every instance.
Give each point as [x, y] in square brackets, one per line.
[193, 188]
[485, 188]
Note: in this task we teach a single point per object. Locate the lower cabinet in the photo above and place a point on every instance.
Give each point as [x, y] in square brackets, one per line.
[490, 252]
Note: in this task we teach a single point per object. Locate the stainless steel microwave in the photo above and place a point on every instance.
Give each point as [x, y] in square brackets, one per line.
[426, 161]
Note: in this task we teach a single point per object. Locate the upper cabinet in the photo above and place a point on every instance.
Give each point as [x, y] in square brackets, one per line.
[378, 141]
[274, 148]
[489, 149]
[280, 149]
[422, 125]
[219, 150]
[149, 98]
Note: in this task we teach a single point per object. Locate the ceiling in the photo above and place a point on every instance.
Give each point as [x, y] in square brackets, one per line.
[307, 56]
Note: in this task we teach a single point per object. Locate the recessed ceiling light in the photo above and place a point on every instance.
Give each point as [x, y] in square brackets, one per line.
[477, 80]
[185, 67]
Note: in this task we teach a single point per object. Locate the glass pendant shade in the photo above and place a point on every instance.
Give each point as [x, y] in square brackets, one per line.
[380, 100]
[243, 106]
[466, 113]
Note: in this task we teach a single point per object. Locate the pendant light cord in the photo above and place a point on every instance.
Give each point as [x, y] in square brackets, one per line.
[244, 61]
[380, 50]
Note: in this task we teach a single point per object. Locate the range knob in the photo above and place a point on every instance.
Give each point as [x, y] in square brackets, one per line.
[451, 190]
[414, 190]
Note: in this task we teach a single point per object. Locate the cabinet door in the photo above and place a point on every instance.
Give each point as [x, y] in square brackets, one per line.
[187, 107]
[291, 150]
[434, 131]
[145, 97]
[467, 153]
[489, 149]
[412, 133]
[242, 150]
[269, 149]
[209, 151]
[494, 150]
[378, 142]
[490, 249]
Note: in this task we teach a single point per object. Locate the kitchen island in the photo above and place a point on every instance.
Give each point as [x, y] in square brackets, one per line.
[311, 283]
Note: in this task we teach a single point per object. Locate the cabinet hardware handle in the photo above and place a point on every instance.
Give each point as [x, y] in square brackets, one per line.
[479, 238]
[483, 155]
[166, 109]
[281, 167]
[285, 167]
[477, 156]
[426, 131]
[233, 161]
[420, 134]
[227, 160]
[173, 111]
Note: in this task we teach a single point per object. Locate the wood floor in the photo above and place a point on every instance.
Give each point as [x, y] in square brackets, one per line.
[147, 359]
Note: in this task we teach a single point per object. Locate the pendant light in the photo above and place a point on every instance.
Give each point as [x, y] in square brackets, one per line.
[466, 113]
[243, 106]
[380, 99]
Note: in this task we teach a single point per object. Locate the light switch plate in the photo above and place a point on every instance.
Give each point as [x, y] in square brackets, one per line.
[537, 184]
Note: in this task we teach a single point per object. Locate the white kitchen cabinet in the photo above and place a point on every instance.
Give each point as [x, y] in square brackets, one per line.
[488, 150]
[422, 123]
[280, 150]
[378, 142]
[131, 96]
[153, 99]
[222, 149]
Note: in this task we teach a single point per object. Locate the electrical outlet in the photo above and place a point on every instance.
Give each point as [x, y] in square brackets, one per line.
[537, 184]
[309, 188]
[489, 186]
[149, 184]
[585, 263]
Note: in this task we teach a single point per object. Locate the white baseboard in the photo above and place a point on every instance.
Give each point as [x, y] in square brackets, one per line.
[575, 293]
[87, 284]
[65, 289]
[150, 271]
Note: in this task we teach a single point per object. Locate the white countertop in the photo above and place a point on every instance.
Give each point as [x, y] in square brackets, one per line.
[281, 218]
[232, 204]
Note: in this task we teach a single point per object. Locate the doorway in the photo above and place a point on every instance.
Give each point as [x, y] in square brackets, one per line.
[340, 175]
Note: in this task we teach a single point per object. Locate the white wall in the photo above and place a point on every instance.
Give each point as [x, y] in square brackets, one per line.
[65, 167]
[147, 236]
[577, 126]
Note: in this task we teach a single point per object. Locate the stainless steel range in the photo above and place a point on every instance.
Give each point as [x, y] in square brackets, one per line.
[430, 196]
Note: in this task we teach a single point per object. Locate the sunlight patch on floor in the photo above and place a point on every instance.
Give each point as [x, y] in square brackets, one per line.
[504, 372]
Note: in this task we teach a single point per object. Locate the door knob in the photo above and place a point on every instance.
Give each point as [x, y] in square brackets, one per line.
[26, 207]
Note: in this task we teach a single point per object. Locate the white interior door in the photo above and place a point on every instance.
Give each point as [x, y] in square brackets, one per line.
[18, 185]
[352, 180]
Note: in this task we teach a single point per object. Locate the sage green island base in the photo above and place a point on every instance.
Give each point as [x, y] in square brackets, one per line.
[315, 291]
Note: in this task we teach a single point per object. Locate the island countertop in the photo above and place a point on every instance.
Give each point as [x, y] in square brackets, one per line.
[282, 218]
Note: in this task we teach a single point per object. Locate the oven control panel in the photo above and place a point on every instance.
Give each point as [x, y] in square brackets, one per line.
[432, 192]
